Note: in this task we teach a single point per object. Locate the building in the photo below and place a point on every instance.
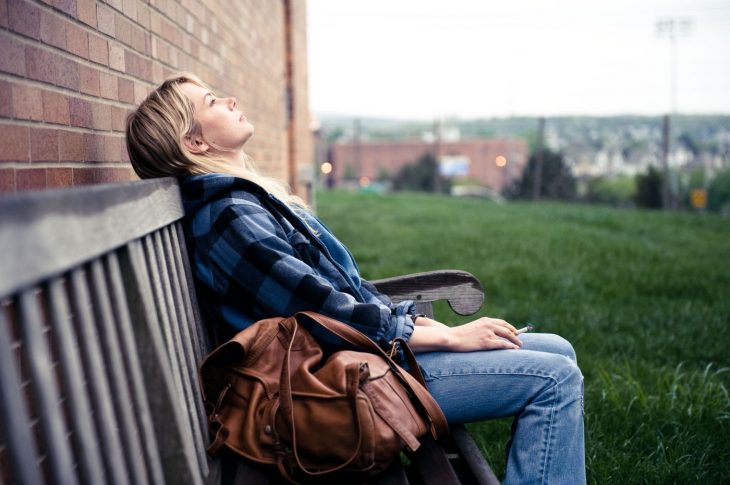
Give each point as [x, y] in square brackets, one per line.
[70, 71]
[493, 163]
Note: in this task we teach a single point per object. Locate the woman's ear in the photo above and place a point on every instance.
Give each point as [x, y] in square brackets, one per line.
[195, 144]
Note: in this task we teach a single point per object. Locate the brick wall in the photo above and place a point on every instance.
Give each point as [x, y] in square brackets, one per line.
[375, 156]
[71, 70]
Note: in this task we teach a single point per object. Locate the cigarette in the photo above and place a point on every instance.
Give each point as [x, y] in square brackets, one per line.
[525, 329]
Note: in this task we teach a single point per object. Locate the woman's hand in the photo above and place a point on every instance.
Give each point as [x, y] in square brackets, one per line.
[482, 334]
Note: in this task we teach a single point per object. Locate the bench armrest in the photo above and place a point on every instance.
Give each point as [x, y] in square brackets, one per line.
[461, 289]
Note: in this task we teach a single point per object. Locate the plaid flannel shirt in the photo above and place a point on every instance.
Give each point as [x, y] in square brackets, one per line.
[253, 257]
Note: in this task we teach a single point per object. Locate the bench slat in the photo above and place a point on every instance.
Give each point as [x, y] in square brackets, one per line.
[186, 314]
[186, 377]
[187, 342]
[45, 389]
[130, 355]
[101, 400]
[45, 233]
[84, 432]
[174, 438]
[117, 374]
[472, 455]
[22, 450]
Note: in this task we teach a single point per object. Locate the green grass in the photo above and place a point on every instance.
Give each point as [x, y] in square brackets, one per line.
[643, 296]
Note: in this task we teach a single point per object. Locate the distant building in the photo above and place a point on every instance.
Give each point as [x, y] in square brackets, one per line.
[493, 163]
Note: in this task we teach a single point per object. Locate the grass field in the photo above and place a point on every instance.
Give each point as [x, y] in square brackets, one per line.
[643, 296]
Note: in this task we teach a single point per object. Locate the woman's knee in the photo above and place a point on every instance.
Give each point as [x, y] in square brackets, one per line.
[549, 342]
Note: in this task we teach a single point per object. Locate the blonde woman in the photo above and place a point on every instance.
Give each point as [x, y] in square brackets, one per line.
[257, 251]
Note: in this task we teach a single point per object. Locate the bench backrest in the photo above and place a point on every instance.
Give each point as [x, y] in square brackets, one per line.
[100, 338]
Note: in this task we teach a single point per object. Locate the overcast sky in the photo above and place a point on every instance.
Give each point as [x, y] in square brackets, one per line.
[482, 58]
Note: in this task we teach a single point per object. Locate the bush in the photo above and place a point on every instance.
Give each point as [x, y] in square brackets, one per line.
[719, 191]
[422, 176]
[557, 181]
[649, 189]
[618, 191]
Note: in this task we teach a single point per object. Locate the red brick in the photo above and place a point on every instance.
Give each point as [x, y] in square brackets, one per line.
[116, 56]
[93, 147]
[40, 64]
[108, 175]
[98, 49]
[102, 116]
[157, 74]
[6, 99]
[140, 93]
[119, 118]
[87, 12]
[14, 143]
[125, 153]
[55, 108]
[83, 176]
[129, 7]
[138, 66]
[67, 73]
[30, 179]
[123, 28]
[77, 40]
[4, 15]
[67, 6]
[126, 90]
[108, 85]
[117, 4]
[43, 145]
[139, 39]
[53, 30]
[89, 80]
[155, 22]
[7, 180]
[80, 111]
[12, 56]
[70, 146]
[105, 20]
[59, 177]
[24, 18]
[143, 16]
[113, 148]
[27, 103]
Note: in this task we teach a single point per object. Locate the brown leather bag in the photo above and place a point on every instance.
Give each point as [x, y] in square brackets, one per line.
[271, 399]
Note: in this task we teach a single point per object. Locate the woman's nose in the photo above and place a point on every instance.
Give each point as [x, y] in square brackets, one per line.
[232, 102]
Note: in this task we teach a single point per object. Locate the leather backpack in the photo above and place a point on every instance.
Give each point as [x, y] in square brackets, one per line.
[272, 399]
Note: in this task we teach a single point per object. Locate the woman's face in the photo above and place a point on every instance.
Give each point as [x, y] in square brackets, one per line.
[224, 127]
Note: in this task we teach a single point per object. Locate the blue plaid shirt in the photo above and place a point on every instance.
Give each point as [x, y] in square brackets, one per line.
[253, 257]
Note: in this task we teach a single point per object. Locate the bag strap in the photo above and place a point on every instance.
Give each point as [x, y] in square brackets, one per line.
[287, 407]
[439, 426]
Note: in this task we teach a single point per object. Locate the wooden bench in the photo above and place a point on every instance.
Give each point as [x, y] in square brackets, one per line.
[101, 336]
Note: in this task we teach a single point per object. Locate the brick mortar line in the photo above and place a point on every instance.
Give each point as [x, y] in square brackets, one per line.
[46, 125]
[45, 165]
[60, 90]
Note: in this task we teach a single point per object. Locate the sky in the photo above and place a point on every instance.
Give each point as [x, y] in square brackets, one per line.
[422, 59]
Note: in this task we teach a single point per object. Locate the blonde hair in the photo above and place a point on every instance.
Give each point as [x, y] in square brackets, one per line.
[155, 133]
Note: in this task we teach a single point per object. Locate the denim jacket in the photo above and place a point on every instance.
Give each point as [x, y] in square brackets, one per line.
[253, 257]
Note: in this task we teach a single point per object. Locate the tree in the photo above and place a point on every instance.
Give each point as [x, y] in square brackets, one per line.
[421, 176]
[557, 180]
[649, 189]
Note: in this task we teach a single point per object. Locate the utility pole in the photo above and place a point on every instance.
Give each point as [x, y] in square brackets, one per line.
[537, 180]
[671, 28]
[666, 193]
[436, 154]
[357, 145]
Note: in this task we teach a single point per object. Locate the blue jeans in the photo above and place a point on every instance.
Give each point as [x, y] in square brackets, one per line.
[540, 384]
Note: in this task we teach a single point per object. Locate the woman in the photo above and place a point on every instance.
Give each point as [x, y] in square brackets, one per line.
[257, 251]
